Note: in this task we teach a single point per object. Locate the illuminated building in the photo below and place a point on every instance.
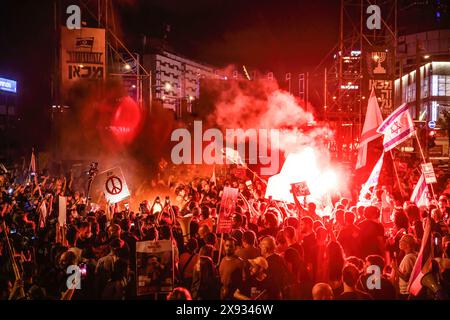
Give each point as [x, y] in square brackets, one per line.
[8, 115]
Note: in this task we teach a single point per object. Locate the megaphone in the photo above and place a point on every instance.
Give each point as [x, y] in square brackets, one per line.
[432, 281]
[185, 223]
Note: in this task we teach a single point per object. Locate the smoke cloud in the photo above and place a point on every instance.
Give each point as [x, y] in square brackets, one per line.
[262, 104]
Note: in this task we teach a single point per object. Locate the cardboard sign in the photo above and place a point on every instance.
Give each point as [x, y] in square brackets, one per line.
[428, 172]
[154, 268]
[300, 189]
[114, 185]
[62, 216]
[227, 207]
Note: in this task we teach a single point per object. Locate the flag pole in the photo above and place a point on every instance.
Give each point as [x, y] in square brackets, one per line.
[424, 161]
[221, 236]
[420, 147]
[396, 173]
[220, 250]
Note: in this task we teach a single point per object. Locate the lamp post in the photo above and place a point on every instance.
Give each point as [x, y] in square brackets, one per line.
[167, 87]
[178, 100]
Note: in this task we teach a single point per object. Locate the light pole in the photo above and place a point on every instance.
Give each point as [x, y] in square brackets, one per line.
[167, 88]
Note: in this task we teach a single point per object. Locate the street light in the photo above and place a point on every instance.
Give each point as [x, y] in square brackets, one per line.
[167, 86]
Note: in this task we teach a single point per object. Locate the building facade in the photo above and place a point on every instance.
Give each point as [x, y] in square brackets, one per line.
[424, 82]
[176, 80]
[424, 68]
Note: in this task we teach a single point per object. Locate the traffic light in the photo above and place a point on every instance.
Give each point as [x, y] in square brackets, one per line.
[431, 139]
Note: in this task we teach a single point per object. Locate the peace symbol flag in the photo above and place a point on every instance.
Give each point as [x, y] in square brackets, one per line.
[114, 185]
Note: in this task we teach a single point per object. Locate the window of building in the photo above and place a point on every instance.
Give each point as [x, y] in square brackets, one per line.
[441, 85]
[411, 93]
[425, 90]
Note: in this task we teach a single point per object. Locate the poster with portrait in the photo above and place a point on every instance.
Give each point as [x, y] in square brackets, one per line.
[227, 207]
[154, 268]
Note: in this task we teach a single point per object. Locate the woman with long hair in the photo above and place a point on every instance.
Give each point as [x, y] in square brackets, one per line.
[334, 263]
[205, 282]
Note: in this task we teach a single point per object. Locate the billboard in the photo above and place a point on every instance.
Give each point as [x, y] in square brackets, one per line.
[8, 85]
[82, 55]
[380, 72]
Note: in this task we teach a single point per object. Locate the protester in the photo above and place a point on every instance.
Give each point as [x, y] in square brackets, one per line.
[256, 285]
[371, 236]
[349, 235]
[231, 270]
[276, 272]
[273, 251]
[322, 291]
[248, 250]
[403, 271]
[379, 288]
[350, 277]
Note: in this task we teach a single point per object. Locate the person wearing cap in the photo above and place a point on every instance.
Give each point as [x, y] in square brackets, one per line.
[256, 286]
[403, 272]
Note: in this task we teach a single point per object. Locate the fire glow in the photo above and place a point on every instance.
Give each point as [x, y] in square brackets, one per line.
[305, 165]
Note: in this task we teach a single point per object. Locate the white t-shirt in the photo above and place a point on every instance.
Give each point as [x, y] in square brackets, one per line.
[406, 267]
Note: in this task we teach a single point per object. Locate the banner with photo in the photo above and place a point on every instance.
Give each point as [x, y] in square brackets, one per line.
[154, 267]
[227, 206]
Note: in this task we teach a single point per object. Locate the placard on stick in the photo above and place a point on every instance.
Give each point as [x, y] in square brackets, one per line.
[227, 206]
[300, 189]
[428, 172]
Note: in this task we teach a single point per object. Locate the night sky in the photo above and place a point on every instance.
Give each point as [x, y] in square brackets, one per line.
[279, 36]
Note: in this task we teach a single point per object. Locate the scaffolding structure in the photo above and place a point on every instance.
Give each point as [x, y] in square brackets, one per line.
[121, 63]
[347, 71]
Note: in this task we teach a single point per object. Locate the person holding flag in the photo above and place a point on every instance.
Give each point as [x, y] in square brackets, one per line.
[422, 264]
[371, 182]
[420, 193]
[396, 129]
[405, 270]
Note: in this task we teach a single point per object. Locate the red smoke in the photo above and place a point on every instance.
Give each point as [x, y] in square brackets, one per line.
[126, 121]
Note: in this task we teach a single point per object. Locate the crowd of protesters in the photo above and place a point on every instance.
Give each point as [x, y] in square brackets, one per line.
[274, 251]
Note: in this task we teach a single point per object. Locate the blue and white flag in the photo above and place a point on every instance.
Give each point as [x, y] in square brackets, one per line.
[373, 179]
[397, 128]
[420, 193]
